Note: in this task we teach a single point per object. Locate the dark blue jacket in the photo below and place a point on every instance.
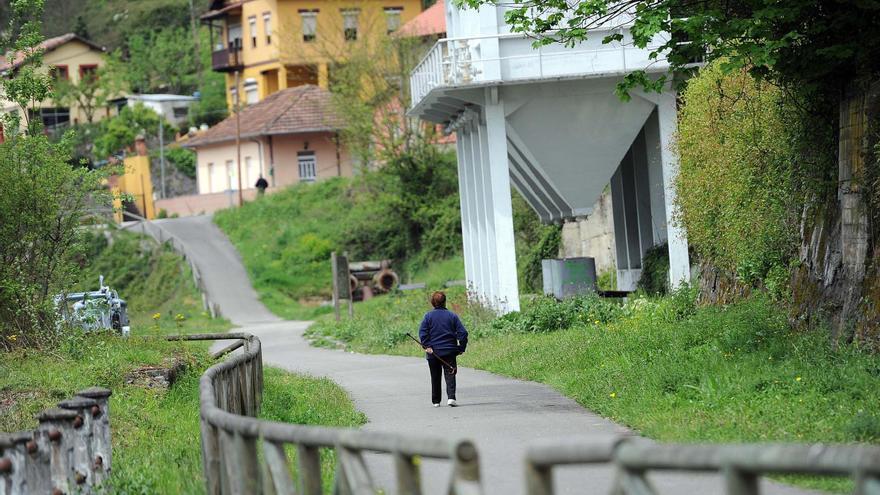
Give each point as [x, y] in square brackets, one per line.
[442, 330]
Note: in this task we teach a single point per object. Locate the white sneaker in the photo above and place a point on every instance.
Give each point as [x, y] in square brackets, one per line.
[451, 403]
[436, 405]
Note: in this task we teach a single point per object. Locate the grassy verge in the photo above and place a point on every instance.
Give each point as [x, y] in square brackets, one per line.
[669, 370]
[155, 432]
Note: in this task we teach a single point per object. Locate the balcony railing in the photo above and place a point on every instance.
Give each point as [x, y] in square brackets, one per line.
[460, 61]
[227, 59]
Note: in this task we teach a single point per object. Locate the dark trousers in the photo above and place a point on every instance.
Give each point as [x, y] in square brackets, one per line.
[437, 368]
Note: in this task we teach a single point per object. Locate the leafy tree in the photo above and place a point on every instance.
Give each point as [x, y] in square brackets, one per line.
[90, 93]
[44, 197]
[183, 160]
[211, 107]
[819, 43]
[159, 61]
[118, 134]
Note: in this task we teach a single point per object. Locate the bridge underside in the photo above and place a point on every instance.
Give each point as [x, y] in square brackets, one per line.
[560, 144]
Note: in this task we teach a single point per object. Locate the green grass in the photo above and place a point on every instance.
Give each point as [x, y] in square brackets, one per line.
[285, 242]
[155, 433]
[667, 370]
[436, 274]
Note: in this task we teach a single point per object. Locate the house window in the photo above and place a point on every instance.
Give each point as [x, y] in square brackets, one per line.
[392, 18]
[210, 177]
[307, 166]
[267, 26]
[230, 173]
[233, 94]
[59, 72]
[350, 24]
[53, 118]
[251, 91]
[88, 71]
[233, 36]
[252, 26]
[309, 25]
[249, 180]
[180, 112]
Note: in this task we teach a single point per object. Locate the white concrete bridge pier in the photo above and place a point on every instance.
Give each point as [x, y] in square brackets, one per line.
[547, 121]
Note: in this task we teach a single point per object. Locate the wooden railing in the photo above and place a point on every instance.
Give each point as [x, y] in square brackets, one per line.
[70, 451]
[741, 466]
[245, 455]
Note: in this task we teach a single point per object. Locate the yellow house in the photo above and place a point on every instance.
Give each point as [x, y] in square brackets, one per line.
[68, 57]
[279, 44]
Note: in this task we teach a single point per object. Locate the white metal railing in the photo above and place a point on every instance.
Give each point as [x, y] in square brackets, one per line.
[459, 61]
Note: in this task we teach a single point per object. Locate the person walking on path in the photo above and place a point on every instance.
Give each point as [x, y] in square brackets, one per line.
[261, 185]
[443, 336]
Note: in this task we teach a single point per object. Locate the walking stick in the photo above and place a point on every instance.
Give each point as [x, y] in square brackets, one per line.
[452, 369]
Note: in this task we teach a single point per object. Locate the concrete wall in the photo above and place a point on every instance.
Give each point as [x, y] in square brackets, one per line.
[198, 204]
[592, 236]
[217, 170]
[285, 149]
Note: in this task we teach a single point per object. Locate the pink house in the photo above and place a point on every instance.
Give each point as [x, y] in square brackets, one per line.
[290, 136]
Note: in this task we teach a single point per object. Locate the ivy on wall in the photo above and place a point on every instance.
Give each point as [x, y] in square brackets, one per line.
[737, 194]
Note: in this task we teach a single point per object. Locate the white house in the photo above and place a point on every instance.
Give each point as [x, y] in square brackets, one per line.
[548, 122]
[175, 108]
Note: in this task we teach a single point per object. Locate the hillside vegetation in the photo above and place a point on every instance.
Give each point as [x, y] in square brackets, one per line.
[155, 431]
[407, 211]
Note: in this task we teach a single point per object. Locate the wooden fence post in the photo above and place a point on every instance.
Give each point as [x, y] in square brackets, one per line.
[465, 470]
[83, 461]
[102, 445]
[57, 426]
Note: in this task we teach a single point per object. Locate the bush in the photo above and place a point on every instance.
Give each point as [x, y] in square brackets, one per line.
[43, 201]
[534, 242]
[655, 270]
[544, 314]
[736, 185]
[183, 160]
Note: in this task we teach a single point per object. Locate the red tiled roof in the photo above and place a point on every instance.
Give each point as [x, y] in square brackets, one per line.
[431, 21]
[290, 111]
[47, 46]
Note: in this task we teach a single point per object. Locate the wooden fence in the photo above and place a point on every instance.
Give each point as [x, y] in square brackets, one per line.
[69, 452]
[245, 455]
[740, 465]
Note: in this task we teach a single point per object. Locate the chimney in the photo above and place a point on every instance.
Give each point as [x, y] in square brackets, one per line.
[140, 145]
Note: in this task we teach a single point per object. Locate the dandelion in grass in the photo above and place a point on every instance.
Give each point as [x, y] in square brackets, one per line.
[156, 316]
[612, 395]
[797, 379]
[12, 338]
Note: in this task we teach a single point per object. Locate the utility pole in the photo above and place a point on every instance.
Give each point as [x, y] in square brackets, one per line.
[195, 33]
[162, 153]
[238, 133]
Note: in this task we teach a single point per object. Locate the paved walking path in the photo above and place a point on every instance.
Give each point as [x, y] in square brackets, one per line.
[502, 415]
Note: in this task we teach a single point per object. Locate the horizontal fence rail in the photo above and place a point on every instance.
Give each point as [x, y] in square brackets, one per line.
[70, 451]
[245, 455]
[741, 466]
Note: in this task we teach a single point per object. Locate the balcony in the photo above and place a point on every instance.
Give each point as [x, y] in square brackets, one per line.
[227, 59]
[460, 63]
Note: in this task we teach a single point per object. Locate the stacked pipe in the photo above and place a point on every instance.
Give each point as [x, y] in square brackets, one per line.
[368, 278]
[69, 452]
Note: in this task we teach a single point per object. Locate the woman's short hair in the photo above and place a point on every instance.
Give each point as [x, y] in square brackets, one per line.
[438, 299]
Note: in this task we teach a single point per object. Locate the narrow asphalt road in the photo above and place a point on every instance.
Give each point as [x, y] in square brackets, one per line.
[501, 415]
